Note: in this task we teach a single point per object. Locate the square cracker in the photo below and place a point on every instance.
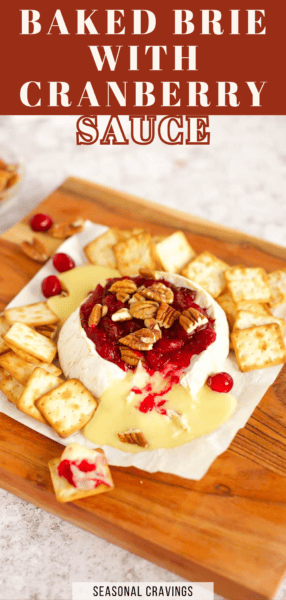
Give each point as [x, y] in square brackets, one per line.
[11, 388]
[31, 314]
[21, 369]
[135, 252]
[207, 270]
[23, 337]
[259, 347]
[248, 284]
[65, 492]
[246, 319]
[67, 408]
[4, 327]
[25, 356]
[100, 252]
[253, 306]
[277, 282]
[229, 307]
[39, 383]
[175, 252]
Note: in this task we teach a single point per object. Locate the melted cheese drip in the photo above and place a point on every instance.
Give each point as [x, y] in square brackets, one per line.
[197, 416]
[78, 282]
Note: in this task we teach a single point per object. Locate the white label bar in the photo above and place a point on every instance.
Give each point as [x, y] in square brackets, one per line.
[163, 590]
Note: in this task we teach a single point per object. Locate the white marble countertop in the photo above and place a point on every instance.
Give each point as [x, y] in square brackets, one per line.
[240, 181]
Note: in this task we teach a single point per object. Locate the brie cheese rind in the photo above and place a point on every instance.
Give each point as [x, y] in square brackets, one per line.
[79, 358]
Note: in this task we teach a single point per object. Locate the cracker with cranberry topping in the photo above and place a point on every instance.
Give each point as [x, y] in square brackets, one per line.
[259, 347]
[39, 383]
[32, 314]
[135, 252]
[68, 407]
[65, 492]
[246, 283]
[31, 342]
[277, 282]
[207, 270]
[174, 252]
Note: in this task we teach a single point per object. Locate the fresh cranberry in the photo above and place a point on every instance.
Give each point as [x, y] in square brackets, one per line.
[63, 262]
[41, 222]
[51, 286]
[220, 382]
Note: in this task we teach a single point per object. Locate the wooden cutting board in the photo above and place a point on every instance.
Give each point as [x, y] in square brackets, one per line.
[230, 527]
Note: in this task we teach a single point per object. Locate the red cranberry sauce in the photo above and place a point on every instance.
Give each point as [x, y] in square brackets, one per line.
[171, 355]
[64, 470]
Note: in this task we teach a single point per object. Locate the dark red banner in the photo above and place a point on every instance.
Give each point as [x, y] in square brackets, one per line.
[151, 58]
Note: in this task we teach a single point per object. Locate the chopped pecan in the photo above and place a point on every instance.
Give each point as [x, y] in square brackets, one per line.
[61, 231]
[166, 315]
[121, 315]
[159, 292]
[144, 309]
[129, 356]
[138, 296]
[148, 273]
[47, 330]
[122, 297]
[191, 319]
[35, 250]
[143, 339]
[154, 326]
[135, 437]
[123, 286]
[178, 419]
[96, 314]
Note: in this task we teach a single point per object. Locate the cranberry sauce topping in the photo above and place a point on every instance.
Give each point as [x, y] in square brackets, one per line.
[65, 470]
[170, 355]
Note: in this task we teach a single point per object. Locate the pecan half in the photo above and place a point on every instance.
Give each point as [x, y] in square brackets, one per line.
[96, 314]
[135, 437]
[62, 231]
[159, 292]
[126, 286]
[154, 326]
[167, 315]
[191, 319]
[122, 314]
[129, 356]
[143, 339]
[144, 309]
[35, 250]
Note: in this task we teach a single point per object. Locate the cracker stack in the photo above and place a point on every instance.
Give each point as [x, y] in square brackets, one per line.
[31, 380]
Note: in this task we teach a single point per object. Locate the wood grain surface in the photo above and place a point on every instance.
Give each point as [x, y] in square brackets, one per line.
[230, 527]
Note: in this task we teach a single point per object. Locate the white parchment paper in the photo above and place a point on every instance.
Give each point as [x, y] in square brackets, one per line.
[192, 460]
